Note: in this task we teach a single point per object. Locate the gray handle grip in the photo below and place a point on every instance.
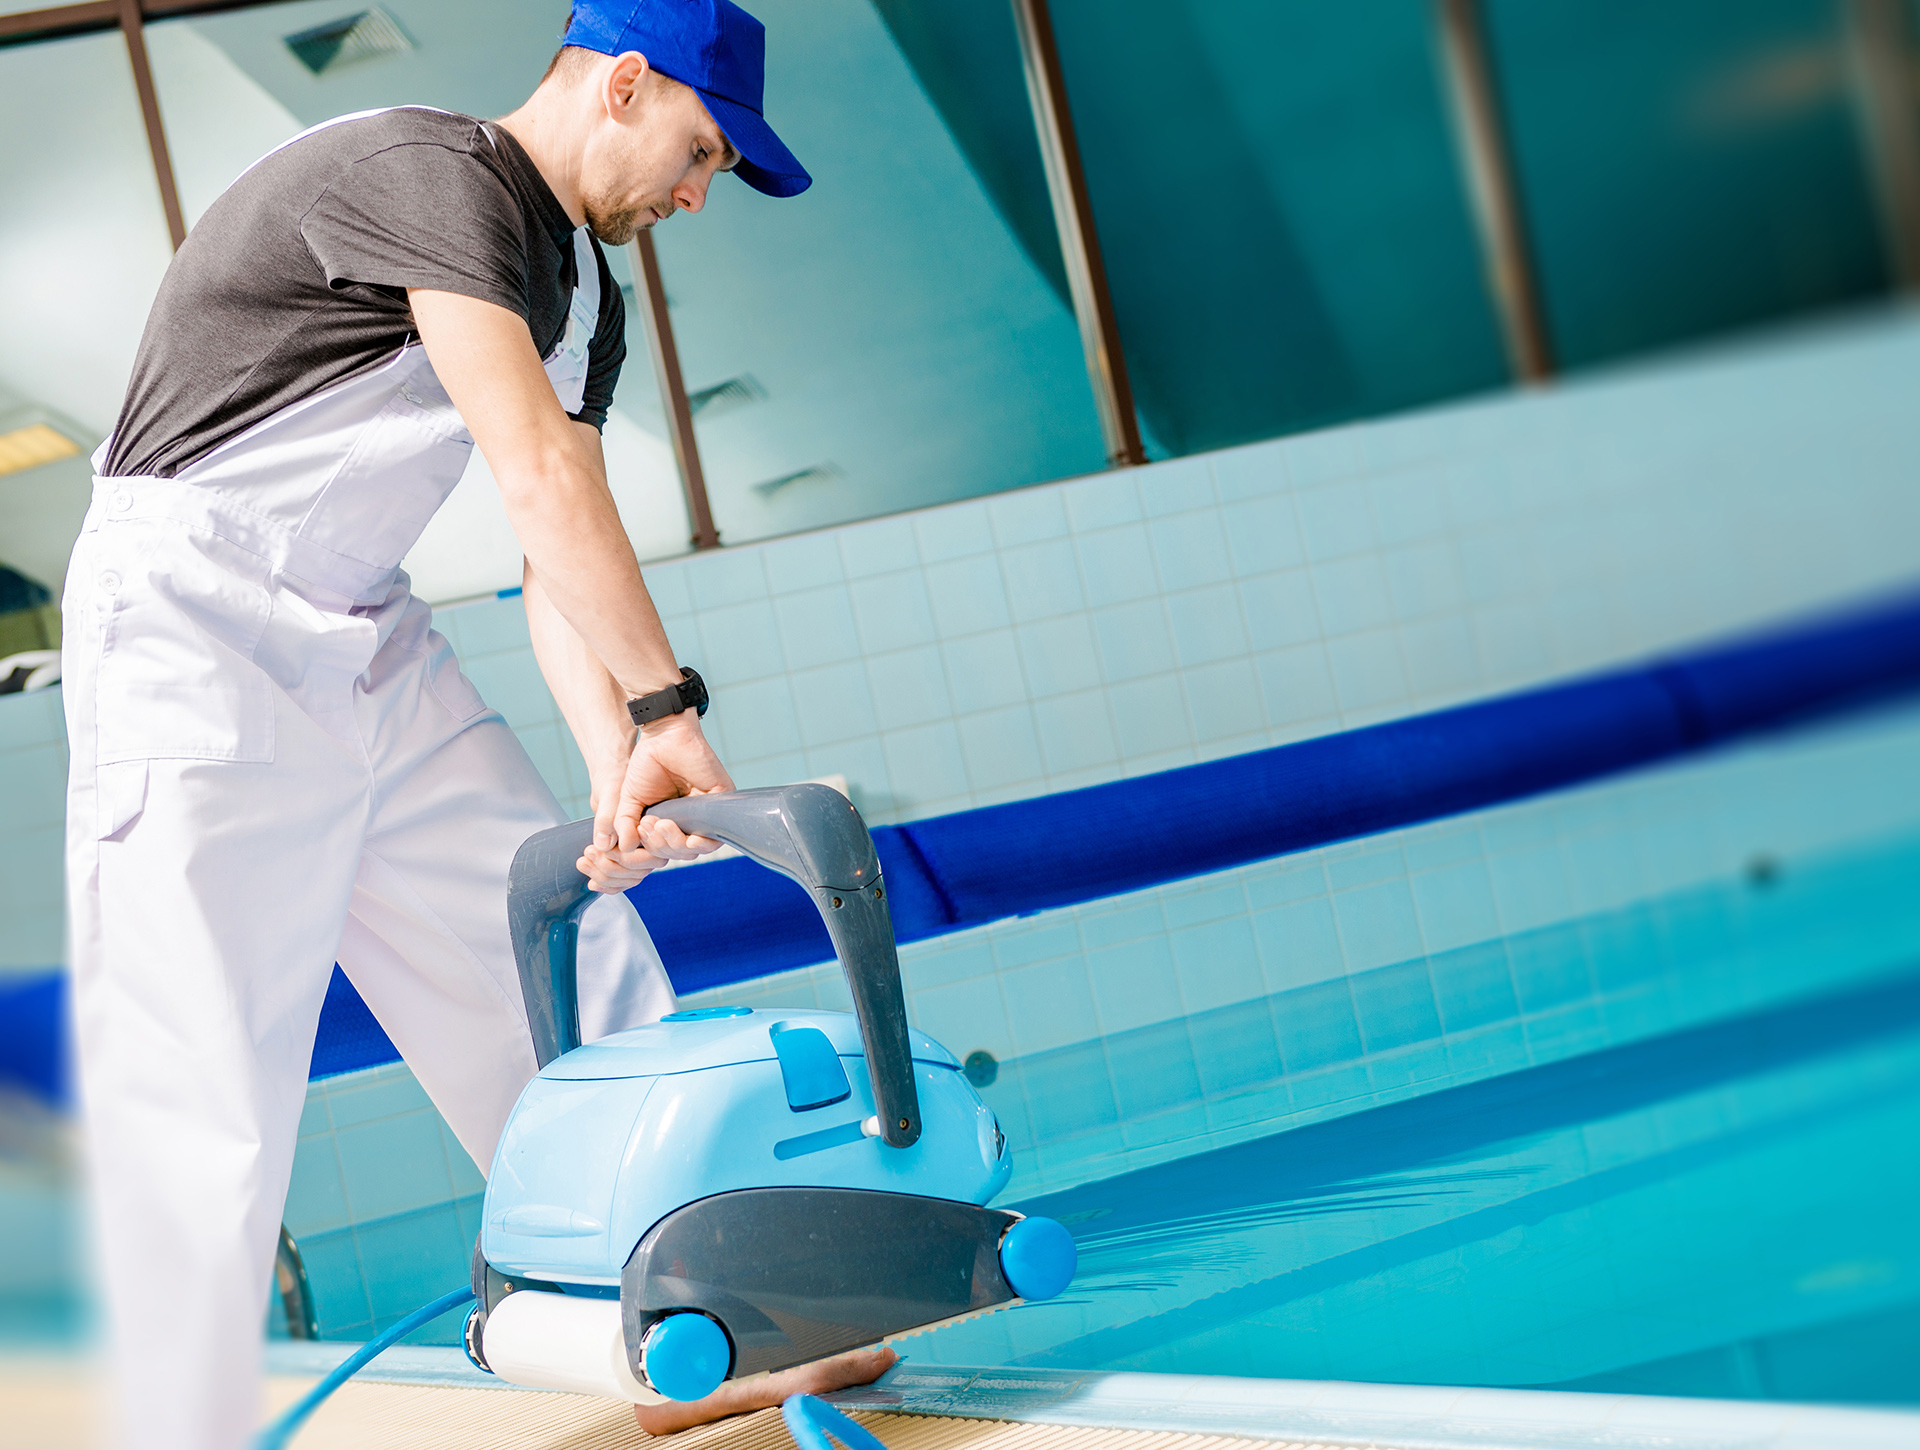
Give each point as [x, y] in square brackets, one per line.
[809, 832]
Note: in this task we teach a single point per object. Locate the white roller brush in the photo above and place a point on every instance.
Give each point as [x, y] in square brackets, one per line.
[563, 1342]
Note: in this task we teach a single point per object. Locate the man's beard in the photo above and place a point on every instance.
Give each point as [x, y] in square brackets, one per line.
[615, 228]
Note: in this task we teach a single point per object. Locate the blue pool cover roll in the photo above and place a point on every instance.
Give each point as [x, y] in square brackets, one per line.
[731, 921]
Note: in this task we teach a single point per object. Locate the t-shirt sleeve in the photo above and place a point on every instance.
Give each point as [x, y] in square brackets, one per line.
[421, 215]
[608, 350]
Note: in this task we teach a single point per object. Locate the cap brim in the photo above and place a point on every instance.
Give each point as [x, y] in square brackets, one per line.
[765, 163]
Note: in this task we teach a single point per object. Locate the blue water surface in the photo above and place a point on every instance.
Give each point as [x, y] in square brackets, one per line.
[1726, 1208]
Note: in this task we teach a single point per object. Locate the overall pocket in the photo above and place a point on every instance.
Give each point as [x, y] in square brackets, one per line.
[403, 463]
[178, 614]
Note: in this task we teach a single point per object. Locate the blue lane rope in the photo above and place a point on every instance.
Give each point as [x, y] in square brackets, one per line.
[276, 1435]
[811, 1422]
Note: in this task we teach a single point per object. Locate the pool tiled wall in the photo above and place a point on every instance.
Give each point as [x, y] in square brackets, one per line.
[384, 1204]
[1134, 621]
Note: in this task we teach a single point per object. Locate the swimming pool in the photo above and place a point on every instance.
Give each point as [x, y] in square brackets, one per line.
[1696, 1179]
[1728, 1207]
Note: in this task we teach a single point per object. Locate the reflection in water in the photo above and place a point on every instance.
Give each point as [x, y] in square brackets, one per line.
[1727, 1210]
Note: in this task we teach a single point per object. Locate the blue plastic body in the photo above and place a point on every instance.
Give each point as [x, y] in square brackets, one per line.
[613, 1136]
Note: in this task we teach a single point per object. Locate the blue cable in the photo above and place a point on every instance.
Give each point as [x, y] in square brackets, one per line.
[276, 1435]
[812, 1421]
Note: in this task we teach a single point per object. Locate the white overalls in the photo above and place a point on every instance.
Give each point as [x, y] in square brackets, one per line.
[277, 764]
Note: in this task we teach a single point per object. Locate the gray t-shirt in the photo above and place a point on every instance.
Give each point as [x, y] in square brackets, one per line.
[296, 277]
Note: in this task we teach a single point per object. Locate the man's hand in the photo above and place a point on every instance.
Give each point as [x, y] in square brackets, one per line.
[670, 758]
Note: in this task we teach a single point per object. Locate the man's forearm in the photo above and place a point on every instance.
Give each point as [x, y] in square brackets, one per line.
[576, 547]
[593, 702]
[553, 482]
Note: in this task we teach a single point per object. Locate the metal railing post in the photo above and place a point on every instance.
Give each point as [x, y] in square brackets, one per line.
[1880, 50]
[1480, 133]
[1079, 244]
[133, 27]
[651, 294]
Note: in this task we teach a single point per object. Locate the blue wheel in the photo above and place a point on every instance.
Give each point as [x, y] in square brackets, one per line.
[1038, 1257]
[686, 1356]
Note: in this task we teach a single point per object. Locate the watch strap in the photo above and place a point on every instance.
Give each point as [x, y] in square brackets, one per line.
[689, 694]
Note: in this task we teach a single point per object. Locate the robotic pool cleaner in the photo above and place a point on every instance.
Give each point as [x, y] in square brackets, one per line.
[727, 1192]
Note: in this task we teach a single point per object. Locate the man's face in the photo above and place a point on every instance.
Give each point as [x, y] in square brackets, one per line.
[657, 154]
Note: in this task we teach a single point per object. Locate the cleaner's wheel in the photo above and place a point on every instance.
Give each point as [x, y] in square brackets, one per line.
[470, 1338]
[686, 1356]
[1038, 1257]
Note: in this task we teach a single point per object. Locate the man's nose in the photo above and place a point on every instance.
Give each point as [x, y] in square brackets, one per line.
[691, 195]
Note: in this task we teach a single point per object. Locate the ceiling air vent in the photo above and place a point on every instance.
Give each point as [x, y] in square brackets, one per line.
[818, 473]
[360, 36]
[725, 397]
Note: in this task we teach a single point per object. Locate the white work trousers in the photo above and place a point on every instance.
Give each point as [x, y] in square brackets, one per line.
[267, 778]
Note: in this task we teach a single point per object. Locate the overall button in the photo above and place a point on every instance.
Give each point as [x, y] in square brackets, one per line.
[109, 583]
[122, 501]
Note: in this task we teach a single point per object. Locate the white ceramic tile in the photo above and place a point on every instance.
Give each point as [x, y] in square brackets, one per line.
[1133, 640]
[1076, 732]
[891, 611]
[723, 576]
[806, 561]
[1116, 565]
[817, 627]
[985, 670]
[967, 596]
[1176, 486]
[879, 546]
[909, 688]
[1058, 656]
[1027, 516]
[955, 531]
[1207, 625]
[1042, 580]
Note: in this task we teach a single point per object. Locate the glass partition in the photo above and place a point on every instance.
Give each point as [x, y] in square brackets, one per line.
[1280, 208]
[1684, 169]
[83, 244]
[891, 338]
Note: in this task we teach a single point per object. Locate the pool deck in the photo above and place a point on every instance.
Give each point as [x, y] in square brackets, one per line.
[427, 1399]
[1286, 1412]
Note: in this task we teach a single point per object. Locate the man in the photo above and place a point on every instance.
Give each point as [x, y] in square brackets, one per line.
[276, 763]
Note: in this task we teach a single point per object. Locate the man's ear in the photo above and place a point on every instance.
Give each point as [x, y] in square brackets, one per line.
[624, 89]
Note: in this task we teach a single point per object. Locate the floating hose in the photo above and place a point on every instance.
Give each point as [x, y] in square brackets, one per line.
[276, 1435]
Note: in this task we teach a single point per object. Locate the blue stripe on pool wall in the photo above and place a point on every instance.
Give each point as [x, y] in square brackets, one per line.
[33, 1036]
[732, 921]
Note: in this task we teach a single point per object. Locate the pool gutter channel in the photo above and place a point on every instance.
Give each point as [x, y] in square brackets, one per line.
[1323, 1412]
[1387, 1416]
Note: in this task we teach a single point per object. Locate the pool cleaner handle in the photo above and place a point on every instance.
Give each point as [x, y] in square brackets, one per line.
[809, 832]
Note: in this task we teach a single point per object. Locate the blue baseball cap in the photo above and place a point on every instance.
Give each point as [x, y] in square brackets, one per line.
[713, 46]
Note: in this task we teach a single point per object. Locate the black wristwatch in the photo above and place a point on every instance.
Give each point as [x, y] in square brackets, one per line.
[689, 694]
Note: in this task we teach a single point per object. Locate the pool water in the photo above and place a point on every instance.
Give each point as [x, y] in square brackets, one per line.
[1730, 1209]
